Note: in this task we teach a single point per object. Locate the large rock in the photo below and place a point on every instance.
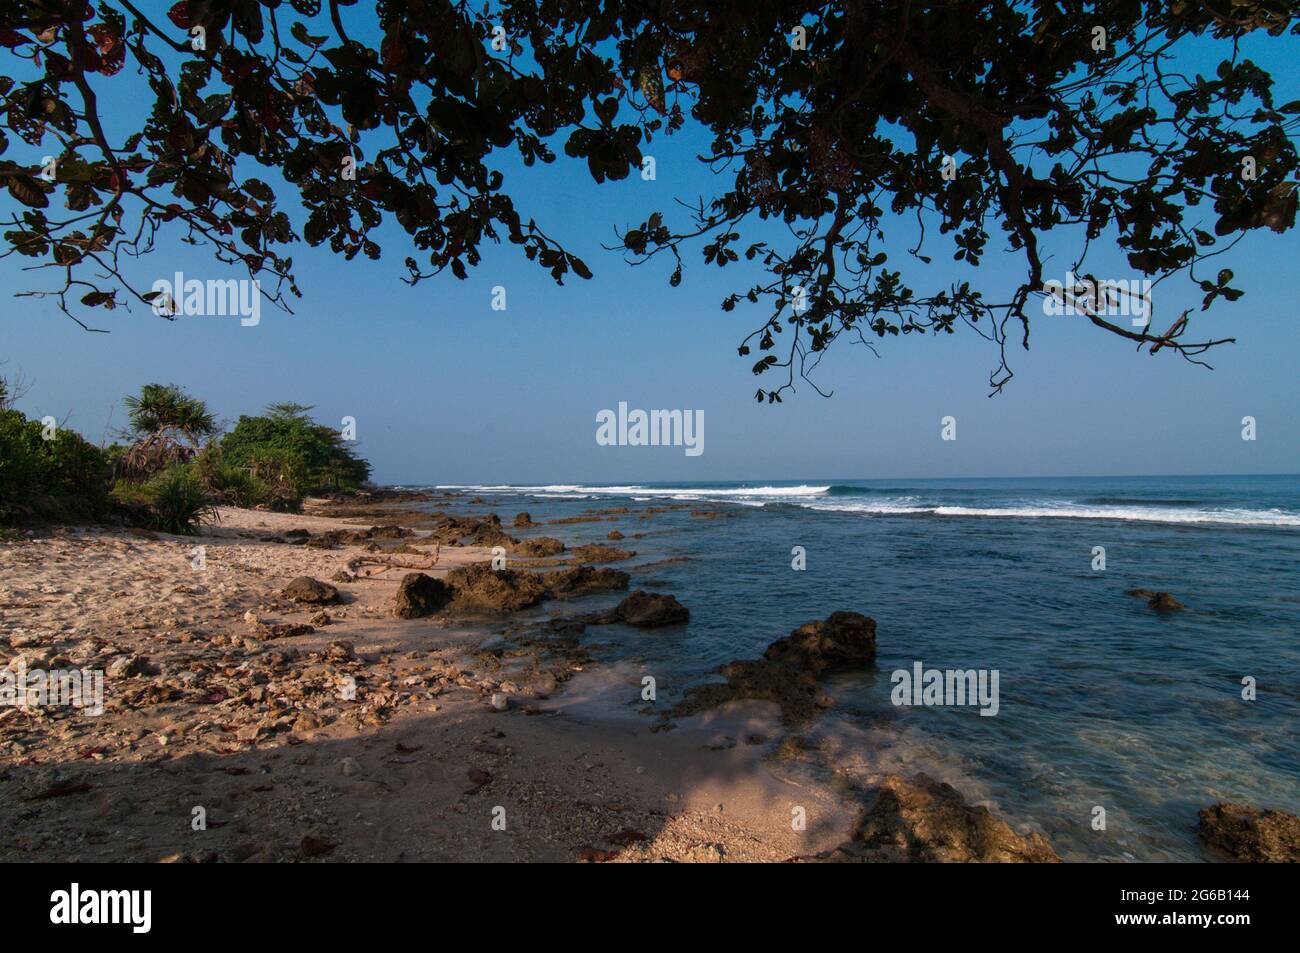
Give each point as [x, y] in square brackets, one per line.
[924, 820]
[505, 590]
[1252, 835]
[844, 640]
[420, 595]
[795, 692]
[310, 591]
[583, 581]
[479, 531]
[539, 546]
[650, 609]
[491, 534]
[789, 670]
[523, 521]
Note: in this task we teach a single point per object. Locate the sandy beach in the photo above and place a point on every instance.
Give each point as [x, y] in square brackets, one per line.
[372, 681]
[203, 710]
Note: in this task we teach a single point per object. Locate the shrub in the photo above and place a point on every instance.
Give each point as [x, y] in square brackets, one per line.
[232, 485]
[282, 475]
[64, 478]
[180, 502]
[293, 453]
[173, 501]
[238, 487]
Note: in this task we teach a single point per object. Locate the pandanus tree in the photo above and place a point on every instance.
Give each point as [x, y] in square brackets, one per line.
[167, 426]
[853, 141]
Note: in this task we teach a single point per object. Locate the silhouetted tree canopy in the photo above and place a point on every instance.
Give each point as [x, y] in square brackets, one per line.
[1054, 130]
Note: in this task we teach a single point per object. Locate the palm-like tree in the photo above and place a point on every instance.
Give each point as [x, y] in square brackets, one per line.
[168, 425]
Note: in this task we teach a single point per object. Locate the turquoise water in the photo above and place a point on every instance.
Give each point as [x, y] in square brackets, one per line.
[1103, 702]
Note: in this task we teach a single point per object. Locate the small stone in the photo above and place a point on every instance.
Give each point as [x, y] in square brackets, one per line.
[348, 767]
[125, 666]
[500, 701]
[341, 651]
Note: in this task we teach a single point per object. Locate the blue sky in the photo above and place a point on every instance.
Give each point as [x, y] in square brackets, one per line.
[446, 390]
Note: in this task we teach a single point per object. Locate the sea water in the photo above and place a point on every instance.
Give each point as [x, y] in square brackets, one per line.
[1103, 701]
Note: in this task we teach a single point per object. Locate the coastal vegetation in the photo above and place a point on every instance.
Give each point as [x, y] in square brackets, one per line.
[174, 466]
[49, 473]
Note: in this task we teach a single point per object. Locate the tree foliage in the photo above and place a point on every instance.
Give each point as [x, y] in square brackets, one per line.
[287, 449]
[168, 427]
[49, 473]
[1054, 137]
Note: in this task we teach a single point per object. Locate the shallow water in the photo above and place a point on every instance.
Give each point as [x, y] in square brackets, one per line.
[1103, 702]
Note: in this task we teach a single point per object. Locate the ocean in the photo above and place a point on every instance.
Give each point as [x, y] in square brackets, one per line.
[1103, 702]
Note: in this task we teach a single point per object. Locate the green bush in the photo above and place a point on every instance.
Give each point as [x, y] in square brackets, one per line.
[180, 502]
[173, 501]
[238, 487]
[272, 461]
[282, 476]
[232, 485]
[133, 502]
[293, 454]
[64, 478]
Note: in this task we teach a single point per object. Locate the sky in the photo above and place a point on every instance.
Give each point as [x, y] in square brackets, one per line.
[446, 390]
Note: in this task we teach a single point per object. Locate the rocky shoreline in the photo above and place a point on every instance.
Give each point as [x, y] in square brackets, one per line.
[349, 684]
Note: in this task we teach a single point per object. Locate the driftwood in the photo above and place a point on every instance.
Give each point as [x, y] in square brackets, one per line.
[388, 562]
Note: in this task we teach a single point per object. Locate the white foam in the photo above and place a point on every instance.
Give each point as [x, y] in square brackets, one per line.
[680, 493]
[1147, 514]
[817, 498]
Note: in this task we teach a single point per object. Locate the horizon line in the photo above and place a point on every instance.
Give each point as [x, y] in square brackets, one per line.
[833, 480]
